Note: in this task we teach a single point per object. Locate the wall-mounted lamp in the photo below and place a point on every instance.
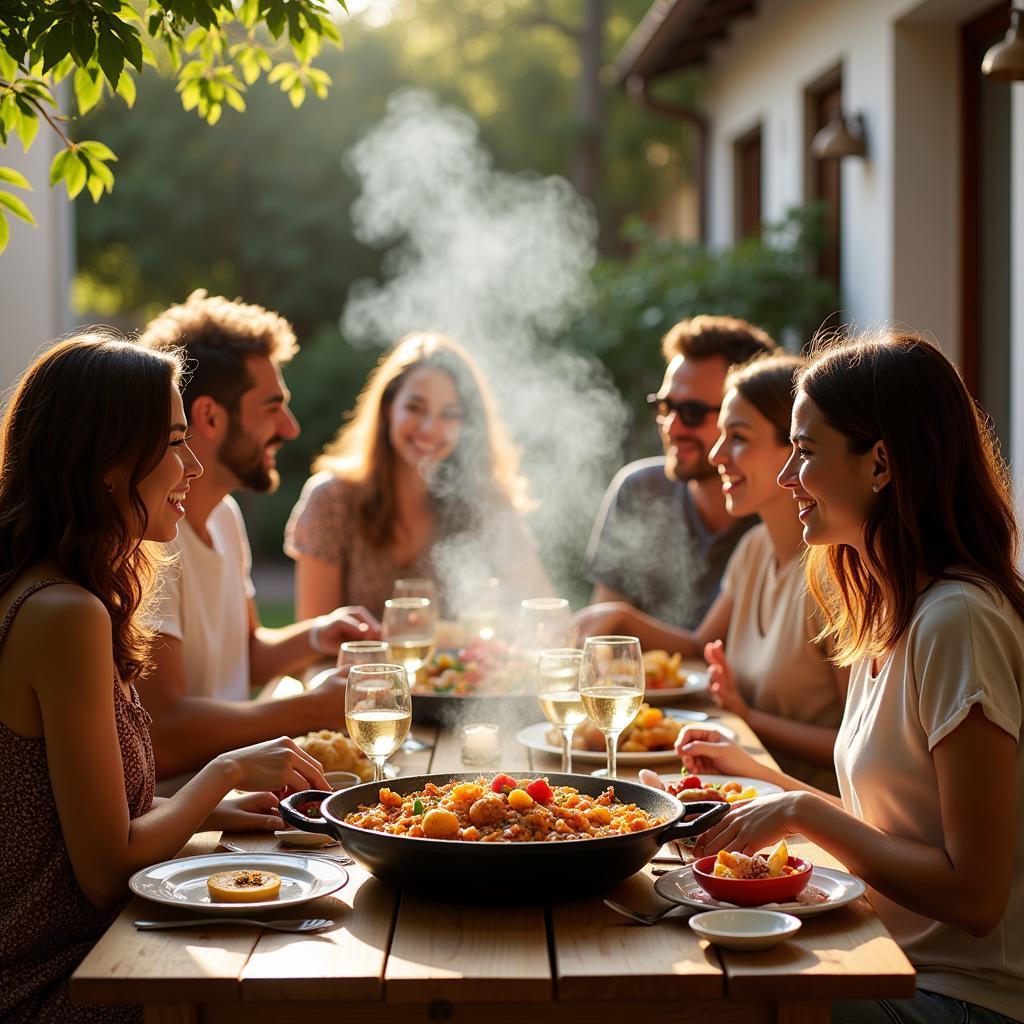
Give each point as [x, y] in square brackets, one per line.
[842, 136]
[1005, 61]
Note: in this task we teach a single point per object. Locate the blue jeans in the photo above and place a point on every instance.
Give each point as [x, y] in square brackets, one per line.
[924, 1008]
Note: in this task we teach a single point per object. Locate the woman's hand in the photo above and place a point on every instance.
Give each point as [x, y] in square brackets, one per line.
[353, 622]
[751, 825]
[704, 750]
[251, 812]
[609, 618]
[274, 764]
[724, 691]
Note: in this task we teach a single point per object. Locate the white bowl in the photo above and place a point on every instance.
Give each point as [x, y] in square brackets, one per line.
[342, 780]
[745, 929]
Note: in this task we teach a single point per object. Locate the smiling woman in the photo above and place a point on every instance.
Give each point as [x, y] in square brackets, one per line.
[423, 481]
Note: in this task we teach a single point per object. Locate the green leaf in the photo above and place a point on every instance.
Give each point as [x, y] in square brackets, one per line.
[83, 37]
[234, 99]
[5, 232]
[17, 207]
[213, 114]
[95, 187]
[26, 126]
[111, 56]
[74, 178]
[57, 44]
[58, 168]
[10, 176]
[279, 72]
[131, 44]
[8, 65]
[296, 94]
[126, 89]
[88, 88]
[97, 150]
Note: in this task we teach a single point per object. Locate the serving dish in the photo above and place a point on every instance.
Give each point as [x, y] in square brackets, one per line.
[753, 892]
[181, 883]
[763, 788]
[827, 889]
[469, 872]
[745, 928]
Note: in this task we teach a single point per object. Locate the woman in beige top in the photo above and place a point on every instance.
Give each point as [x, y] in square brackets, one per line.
[777, 676]
[421, 482]
[908, 511]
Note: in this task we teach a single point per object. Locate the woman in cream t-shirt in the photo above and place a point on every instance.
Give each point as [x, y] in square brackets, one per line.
[913, 548]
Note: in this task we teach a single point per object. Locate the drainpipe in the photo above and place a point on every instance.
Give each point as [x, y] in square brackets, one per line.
[638, 88]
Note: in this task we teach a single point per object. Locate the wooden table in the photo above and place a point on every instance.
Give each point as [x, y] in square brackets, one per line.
[397, 958]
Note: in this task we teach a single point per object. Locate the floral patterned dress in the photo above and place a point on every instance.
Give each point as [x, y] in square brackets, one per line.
[47, 924]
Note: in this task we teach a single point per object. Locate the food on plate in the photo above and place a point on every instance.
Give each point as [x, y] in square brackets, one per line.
[311, 809]
[244, 885]
[483, 667]
[501, 810]
[662, 670]
[738, 865]
[336, 752]
[651, 729]
[691, 788]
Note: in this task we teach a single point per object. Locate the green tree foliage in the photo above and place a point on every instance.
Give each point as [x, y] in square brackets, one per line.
[213, 49]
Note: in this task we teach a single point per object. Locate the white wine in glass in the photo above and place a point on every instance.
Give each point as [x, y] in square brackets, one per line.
[409, 628]
[378, 711]
[612, 687]
[558, 690]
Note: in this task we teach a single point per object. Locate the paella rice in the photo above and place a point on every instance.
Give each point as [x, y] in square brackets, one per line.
[501, 810]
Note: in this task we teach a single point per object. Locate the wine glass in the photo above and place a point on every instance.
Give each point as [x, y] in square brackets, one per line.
[378, 711]
[480, 607]
[612, 686]
[418, 587]
[409, 628]
[544, 623]
[558, 690]
[362, 652]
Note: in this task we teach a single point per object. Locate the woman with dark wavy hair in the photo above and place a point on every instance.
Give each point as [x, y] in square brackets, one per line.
[93, 463]
[908, 510]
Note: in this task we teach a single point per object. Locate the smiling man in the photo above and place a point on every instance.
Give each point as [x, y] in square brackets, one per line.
[212, 649]
[663, 536]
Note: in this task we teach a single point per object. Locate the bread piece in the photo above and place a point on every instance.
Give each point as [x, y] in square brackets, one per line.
[244, 885]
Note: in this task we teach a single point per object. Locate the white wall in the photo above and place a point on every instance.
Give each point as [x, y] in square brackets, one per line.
[36, 267]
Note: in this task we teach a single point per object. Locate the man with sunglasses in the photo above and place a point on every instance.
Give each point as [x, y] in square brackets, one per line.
[662, 537]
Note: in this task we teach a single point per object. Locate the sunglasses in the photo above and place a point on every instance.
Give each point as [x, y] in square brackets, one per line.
[691, 413]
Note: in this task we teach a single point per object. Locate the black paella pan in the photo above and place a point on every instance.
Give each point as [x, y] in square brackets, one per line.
[453, 870]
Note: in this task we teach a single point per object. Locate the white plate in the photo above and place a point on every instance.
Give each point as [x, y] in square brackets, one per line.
[838, 888]
[745, 928]
[182, 883]
[535, 737]
[693, 683]
[763, 788]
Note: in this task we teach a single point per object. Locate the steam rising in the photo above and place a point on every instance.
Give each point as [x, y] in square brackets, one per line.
[500, 262]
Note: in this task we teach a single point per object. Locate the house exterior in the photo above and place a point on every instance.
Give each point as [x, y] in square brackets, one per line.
[929, 223]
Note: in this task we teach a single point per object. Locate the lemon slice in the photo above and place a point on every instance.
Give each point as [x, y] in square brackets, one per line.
[778, 859]
[243, 885]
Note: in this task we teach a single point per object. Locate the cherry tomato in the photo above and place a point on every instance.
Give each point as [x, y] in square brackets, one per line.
[503, 783]
[541, 792]
[690, 782]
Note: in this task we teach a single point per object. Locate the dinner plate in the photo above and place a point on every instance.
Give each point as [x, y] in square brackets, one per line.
[763, 788]
[827, 890]
[535, 737]
[182, 883]
[694, 681]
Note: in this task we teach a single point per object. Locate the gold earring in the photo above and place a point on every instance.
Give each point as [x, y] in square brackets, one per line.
[874, 487]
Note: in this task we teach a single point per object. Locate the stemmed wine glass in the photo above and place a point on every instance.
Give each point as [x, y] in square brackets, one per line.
[558, 690]
[544, 623]
[418, 587]
[612, 686]
[480, 607]
[362, 652]
[378, 711]
[409, 628]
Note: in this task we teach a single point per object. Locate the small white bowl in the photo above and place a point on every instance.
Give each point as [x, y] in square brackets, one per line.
[745, 929]
[307, 840]
[342, 780]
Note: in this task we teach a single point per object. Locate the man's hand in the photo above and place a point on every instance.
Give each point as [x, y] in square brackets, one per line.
[353, 622]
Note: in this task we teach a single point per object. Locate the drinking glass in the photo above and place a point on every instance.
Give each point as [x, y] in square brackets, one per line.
[409, 628]
[612, 686]
[362, 652]
[378, 711]
[544, 623]
[558, 690]
[480, 607]
[416, 588]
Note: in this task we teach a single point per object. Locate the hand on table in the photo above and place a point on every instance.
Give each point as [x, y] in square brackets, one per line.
[250, 812]
[352, 622]
[724, 691]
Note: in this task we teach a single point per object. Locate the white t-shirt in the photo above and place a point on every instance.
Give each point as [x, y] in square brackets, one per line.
[963, 647]
[204, 602]
[779, 669]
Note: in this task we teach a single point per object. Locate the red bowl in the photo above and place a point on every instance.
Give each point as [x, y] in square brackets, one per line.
[752, 892]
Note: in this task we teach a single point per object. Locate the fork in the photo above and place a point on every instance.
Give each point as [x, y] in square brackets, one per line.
[642, 918]
[337, 858]
[308, 924]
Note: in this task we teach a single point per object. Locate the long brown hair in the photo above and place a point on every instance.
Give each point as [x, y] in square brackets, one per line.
[768, 384]
[483, 466]
[88, 404]
[947, 511]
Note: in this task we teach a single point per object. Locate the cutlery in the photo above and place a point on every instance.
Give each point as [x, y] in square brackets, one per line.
[411, 745]
[642, 918]
[308, 924]
[337, 858]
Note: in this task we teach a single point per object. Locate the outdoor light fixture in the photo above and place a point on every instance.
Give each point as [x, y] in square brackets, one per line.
[842, 136]
[1005, 61]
